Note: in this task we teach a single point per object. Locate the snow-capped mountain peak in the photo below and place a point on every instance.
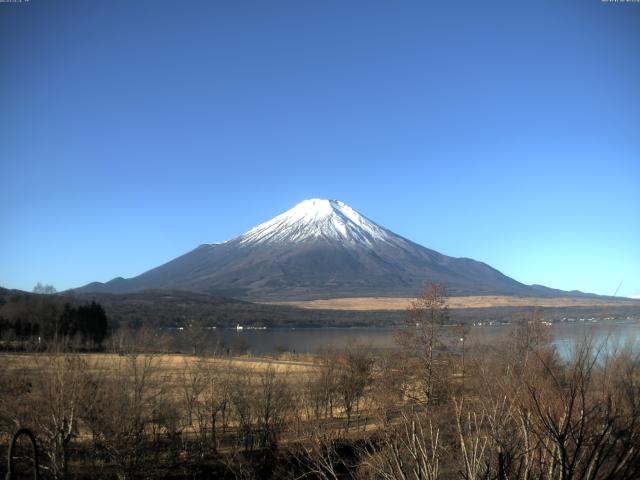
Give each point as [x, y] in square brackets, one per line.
[318, 219]
[318, 249]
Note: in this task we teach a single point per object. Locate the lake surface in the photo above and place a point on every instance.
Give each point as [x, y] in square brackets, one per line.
[609, 335]
[565, 336]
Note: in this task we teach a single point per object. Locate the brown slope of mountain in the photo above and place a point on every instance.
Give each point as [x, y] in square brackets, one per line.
[477, 301]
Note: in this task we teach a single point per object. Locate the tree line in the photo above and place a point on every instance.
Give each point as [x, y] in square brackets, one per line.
[41, 319]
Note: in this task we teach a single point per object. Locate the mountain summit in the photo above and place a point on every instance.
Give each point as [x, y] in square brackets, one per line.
[319, 249]
[318, 219]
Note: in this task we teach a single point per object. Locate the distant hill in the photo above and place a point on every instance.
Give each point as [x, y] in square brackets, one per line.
[321, 249]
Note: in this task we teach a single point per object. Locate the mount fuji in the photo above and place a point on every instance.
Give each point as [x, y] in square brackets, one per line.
[319, 249]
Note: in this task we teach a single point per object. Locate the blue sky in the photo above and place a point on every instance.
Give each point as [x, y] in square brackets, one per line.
[508, 132]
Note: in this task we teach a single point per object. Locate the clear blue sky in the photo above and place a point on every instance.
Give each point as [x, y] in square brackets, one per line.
[133, 131]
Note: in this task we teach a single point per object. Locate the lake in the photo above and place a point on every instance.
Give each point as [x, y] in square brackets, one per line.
[309, 340]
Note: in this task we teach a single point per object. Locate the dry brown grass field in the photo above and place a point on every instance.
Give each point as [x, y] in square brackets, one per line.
[165, 363]
[389, 303]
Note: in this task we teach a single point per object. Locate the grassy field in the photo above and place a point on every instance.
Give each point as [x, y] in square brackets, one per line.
[392, 304]
[165, 363]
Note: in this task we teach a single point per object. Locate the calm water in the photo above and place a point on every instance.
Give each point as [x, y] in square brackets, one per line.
[309, 340]
[609, 335]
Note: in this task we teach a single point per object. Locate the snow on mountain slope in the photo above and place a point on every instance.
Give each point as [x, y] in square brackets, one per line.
[319, 219]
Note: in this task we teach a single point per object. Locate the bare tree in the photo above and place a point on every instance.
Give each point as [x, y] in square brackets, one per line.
[529, 336]
[44, 289]
[212, 405]
[320, 457]
[422, 336]
[321, 387]
[241, 392]
[472, 441]
[126, 407]
[192, 384]
[272, 404]
[389, 386]
[586, 431]
[353, 377]
[409, 449]
[50, 402]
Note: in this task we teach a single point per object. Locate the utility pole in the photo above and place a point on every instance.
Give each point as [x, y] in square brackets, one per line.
[462, 339]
